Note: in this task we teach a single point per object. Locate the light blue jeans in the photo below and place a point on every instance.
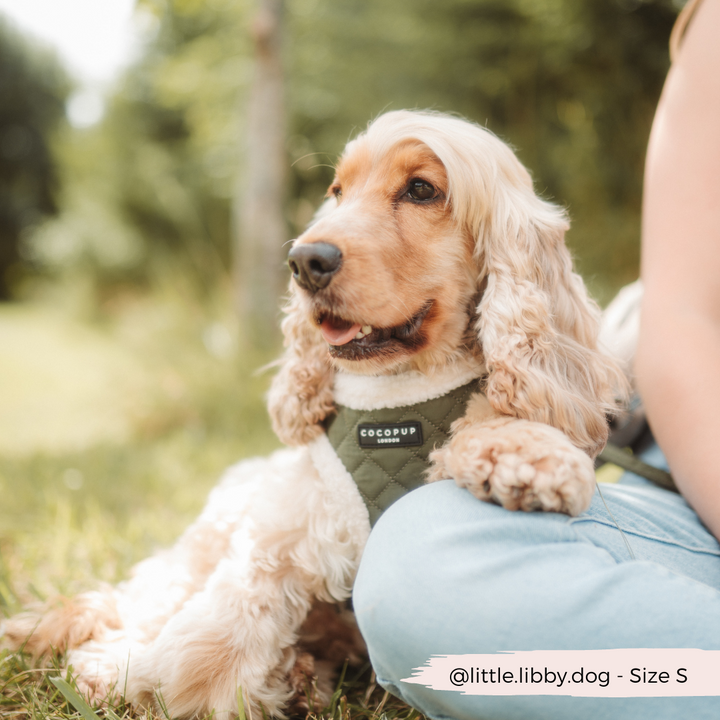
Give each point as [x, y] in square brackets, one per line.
[444, 573]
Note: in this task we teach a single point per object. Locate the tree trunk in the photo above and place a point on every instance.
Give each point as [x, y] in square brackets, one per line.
[260, 228]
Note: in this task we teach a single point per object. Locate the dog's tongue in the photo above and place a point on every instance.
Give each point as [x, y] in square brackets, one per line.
[338, 332]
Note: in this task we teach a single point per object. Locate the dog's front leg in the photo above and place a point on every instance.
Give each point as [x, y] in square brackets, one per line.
[519, 464]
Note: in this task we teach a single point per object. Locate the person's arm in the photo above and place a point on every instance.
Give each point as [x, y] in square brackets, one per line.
[678, 358]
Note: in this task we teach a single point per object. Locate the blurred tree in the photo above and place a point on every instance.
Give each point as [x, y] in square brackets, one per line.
[260, 229]
[32, 95]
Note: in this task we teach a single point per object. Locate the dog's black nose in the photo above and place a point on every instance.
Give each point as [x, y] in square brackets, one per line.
[314, 264]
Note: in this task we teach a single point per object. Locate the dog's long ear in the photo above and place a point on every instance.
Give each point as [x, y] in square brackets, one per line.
[300, 396]
[537, 326]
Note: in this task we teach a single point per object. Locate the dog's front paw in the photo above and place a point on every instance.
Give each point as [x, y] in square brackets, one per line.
[519, 464]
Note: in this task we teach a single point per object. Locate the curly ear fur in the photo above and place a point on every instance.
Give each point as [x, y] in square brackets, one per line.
[538, 327]
[301, 396]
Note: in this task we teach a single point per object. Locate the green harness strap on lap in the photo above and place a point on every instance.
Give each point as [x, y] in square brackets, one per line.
[386, 451]
[624, 460]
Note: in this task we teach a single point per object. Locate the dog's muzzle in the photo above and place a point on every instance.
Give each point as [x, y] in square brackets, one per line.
[314, 264]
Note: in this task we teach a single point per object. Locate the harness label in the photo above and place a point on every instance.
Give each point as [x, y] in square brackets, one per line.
[382, 435]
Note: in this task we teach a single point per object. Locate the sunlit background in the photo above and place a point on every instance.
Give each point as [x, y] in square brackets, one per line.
[94, 40]
[128, 331]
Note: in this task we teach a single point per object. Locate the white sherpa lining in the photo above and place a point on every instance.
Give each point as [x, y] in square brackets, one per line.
[342, 492]
[374, 392]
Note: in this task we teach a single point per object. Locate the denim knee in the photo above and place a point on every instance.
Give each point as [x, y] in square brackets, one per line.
[444, 573]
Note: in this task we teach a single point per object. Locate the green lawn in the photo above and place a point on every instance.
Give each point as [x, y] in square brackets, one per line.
[111, 435]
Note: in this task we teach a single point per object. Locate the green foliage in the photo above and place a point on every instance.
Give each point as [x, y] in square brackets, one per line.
[32, 92]
[146, 193]
[571, 84]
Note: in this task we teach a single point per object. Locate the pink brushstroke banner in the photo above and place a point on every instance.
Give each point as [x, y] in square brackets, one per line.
[649, 672]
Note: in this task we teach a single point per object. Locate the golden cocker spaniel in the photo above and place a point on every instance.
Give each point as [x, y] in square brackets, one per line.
[432, 264]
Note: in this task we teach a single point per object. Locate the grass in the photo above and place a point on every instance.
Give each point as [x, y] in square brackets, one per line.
[90, 508]
[33, 692]
[84, 506]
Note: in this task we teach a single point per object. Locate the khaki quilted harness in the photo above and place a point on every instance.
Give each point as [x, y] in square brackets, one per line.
[386, 451]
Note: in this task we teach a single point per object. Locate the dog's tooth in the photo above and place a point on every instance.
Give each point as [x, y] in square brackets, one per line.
[367, 329]
[359, 335]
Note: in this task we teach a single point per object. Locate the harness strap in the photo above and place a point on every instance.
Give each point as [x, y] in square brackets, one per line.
[616, 456]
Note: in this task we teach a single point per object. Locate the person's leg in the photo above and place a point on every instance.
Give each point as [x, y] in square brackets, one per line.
[444, 573]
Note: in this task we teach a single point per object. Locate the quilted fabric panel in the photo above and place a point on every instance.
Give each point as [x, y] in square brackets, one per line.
[385, 474]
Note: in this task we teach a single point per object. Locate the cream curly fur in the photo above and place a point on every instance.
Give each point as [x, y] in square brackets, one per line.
[475, 276]
[301, 396]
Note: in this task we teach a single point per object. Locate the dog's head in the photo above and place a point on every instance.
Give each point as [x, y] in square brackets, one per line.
[432, 244]
[386, 273]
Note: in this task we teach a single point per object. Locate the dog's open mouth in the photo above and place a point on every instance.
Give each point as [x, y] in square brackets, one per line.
[354, 341]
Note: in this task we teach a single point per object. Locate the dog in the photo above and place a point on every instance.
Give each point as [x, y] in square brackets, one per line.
[432, 266]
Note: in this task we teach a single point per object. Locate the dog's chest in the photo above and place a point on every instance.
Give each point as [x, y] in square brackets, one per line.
[383, 432]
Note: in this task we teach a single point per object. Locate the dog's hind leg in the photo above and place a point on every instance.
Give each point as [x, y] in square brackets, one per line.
[161, 585]
[63, 623]
[238, 632]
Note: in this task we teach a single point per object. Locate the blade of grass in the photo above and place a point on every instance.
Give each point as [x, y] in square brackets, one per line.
[74, 698]
[240, 703]
[161, 702]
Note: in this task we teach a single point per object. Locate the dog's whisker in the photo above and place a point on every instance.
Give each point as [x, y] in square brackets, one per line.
[318, 152]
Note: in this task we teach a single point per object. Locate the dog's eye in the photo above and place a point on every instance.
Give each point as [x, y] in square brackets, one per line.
[336, 190]
[421, 190]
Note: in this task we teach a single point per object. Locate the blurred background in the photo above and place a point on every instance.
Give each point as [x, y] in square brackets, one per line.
[155, 155]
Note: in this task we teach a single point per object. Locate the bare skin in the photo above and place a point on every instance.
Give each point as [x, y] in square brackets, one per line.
[678, 358]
